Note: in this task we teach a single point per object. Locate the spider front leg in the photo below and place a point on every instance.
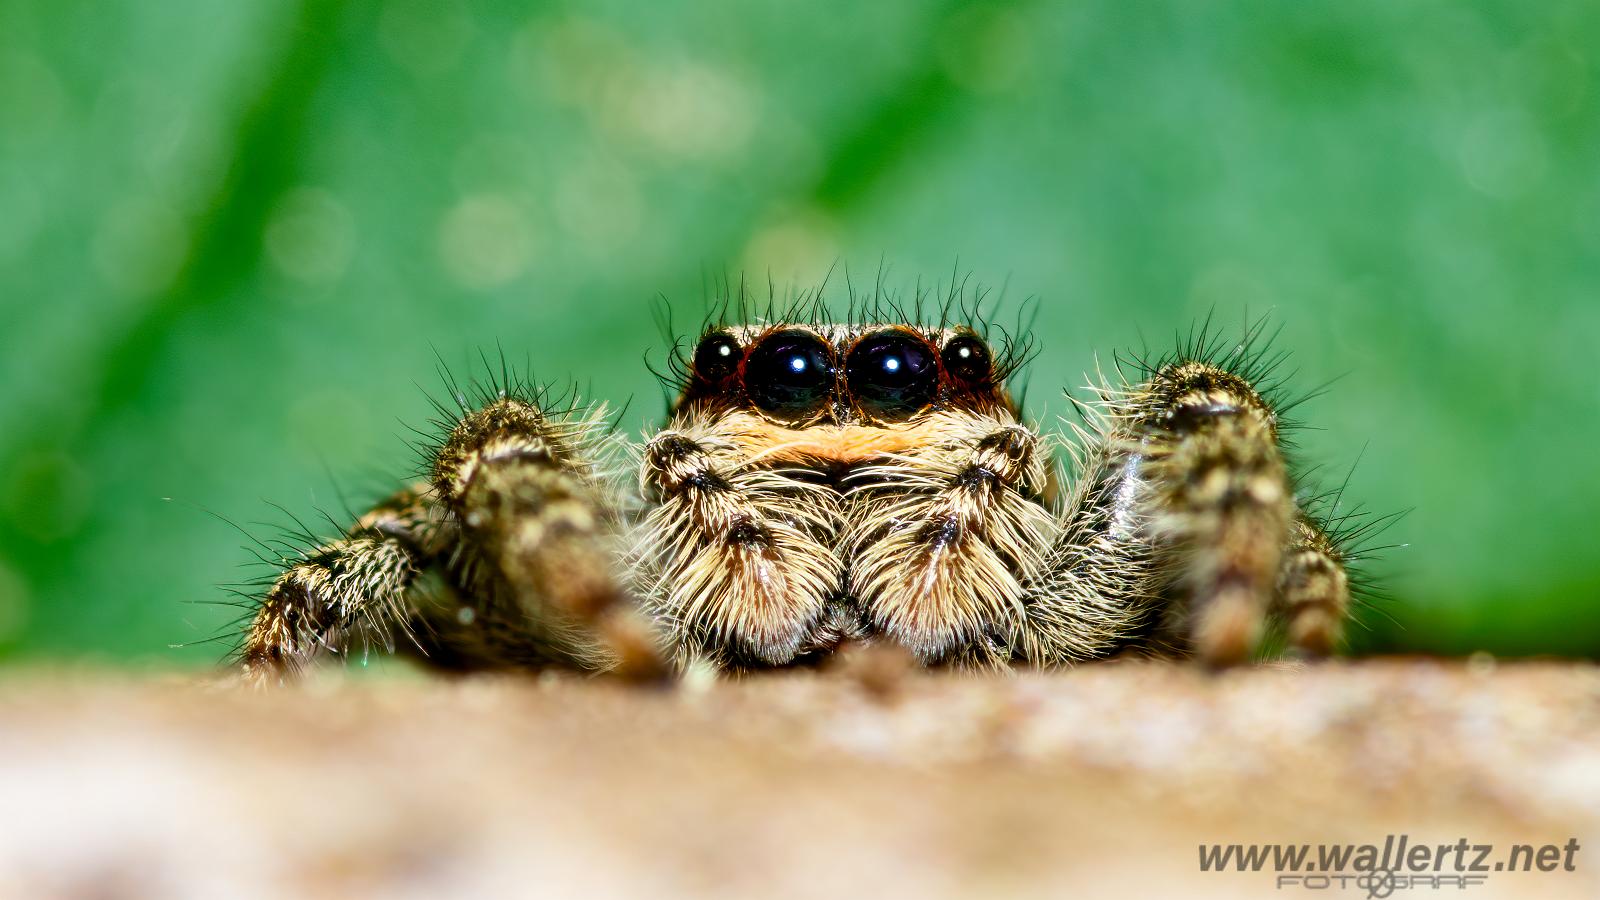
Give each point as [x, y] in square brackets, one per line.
[1205, 480]
[359, 584]
[539, 552]
[521, 537]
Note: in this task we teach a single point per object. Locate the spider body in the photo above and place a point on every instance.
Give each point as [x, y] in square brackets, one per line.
[820, 484]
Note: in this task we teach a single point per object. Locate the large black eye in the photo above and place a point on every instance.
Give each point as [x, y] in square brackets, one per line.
[789, 374]
[967, 358]
[892, 374]
[717, 357]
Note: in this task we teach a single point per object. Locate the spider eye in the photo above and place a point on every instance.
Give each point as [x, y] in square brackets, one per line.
[790, 374]
[717, 357]
[967, 358]
[892, 374]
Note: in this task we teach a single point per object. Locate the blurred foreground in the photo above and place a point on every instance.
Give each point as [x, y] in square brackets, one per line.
[1101, 780]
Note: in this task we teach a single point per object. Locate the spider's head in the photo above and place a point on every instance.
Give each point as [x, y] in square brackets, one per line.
[841, 393]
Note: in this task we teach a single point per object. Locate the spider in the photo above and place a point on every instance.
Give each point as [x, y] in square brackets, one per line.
[820, 485]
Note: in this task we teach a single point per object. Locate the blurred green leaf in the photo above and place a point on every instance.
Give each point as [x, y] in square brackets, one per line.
[236, 233]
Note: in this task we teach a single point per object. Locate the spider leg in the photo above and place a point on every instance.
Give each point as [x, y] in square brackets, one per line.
[359, 582]
[1096, 586]
[1313, 595]
[1190, 485]
[539, 546]
[1221, 505]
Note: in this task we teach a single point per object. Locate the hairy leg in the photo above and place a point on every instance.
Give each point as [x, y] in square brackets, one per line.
[358, 585]
[1187, 486]
[1221, 505]
[539, 546]
[734, 559]
[1313, 597]
[1097, 586]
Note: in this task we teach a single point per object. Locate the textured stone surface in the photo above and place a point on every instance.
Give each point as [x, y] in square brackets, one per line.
[1102, 780]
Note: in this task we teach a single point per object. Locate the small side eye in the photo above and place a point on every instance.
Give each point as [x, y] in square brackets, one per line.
[790, 374]
[967, 359]
[892, 374]
[717, 357]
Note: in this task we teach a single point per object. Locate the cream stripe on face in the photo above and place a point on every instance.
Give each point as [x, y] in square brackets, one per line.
[765, 443]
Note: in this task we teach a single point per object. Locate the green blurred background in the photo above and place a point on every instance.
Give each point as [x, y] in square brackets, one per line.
[233, 231]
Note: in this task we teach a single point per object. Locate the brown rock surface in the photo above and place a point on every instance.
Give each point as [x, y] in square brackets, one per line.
[1099, 781]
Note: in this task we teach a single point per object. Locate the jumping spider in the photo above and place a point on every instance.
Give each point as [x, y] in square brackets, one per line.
[818, 485]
